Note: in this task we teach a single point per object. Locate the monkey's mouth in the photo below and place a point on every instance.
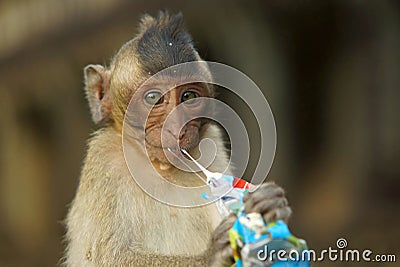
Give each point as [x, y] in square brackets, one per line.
[176, 148]
[173, 149]
[170, 148]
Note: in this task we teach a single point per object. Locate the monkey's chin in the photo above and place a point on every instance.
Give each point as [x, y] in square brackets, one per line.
[159, 159]
[163, 164]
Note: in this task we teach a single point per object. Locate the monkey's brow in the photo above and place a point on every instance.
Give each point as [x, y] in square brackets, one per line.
[167, 84]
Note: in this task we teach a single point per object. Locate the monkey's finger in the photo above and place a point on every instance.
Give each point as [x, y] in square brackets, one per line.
[269, 190]
[266, 191]
[221, 233]
[222, 241]
[278, 214]
[266, 205]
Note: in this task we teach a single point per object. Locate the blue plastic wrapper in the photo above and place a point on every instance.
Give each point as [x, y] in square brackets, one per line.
[254, 242]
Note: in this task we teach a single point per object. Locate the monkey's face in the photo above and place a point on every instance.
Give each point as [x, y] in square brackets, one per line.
[168, 128]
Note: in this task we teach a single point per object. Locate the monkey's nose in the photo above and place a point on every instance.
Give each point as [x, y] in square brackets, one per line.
[175, 126]
[176, 132]
[182, 132]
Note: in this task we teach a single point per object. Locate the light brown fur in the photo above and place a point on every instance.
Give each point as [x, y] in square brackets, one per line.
[111, 216]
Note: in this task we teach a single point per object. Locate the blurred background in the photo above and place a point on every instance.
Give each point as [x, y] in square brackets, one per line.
[329, 69]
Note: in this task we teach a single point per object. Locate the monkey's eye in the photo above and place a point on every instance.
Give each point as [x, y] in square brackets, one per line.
[154, 98]
[189, 97]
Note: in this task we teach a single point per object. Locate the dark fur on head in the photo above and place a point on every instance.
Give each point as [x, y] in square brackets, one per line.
[164, 42]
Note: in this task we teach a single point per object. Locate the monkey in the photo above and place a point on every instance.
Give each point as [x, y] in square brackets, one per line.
[111, 220]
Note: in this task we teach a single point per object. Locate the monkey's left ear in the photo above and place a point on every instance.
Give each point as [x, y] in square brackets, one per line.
[97, 92]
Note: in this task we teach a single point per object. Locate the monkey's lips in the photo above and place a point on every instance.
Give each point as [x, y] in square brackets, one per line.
[172, 148]
[164, 154]
[165, 148]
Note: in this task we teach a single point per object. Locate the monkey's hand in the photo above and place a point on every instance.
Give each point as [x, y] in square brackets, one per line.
[220, 252]
[269, 200]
